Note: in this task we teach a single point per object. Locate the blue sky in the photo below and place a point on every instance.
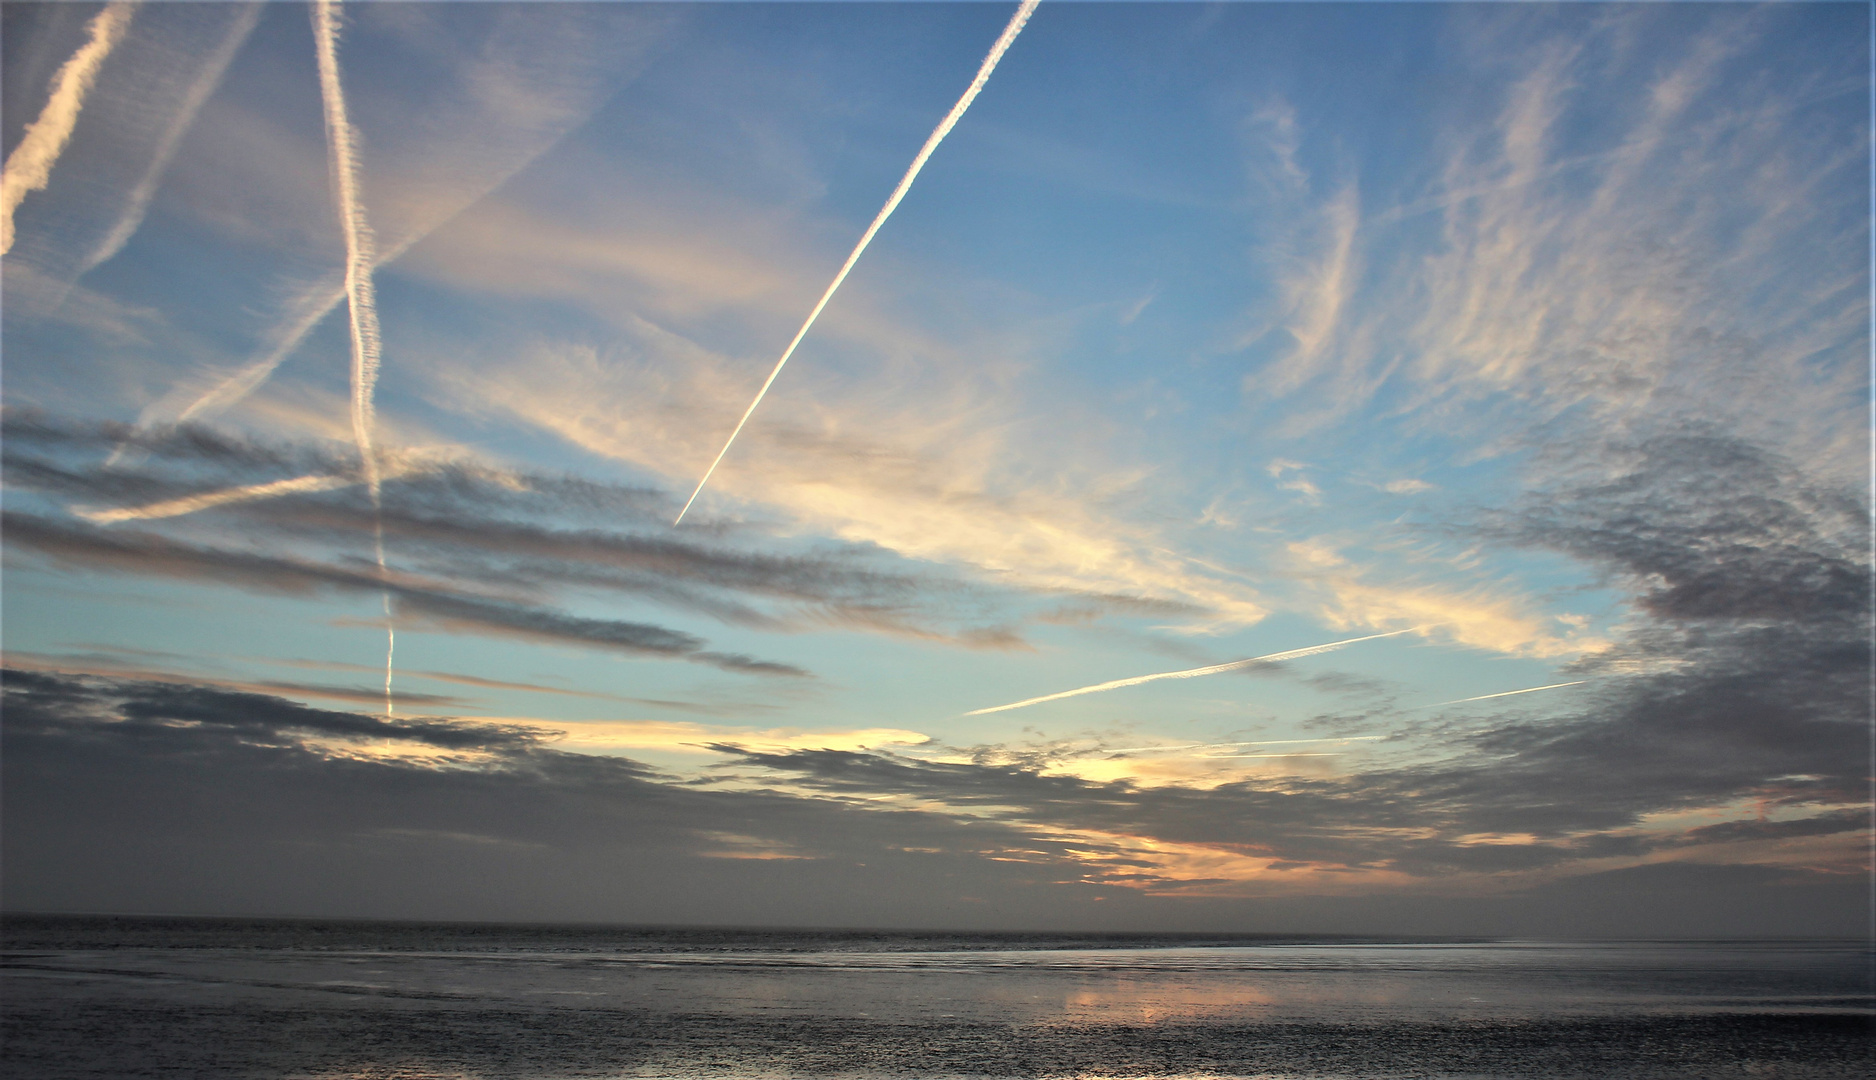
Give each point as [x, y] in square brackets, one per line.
[1536, 337]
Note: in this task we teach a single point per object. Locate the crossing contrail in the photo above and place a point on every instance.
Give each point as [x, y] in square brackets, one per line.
[1507, 693]
[905, 183]
[360, 258]
[29, 166]
[318, 300]
[1268, 658]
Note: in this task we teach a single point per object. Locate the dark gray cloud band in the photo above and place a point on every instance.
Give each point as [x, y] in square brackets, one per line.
[145, 552]
[529, 533]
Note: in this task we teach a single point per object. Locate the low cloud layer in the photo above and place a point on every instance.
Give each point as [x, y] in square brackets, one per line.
[1741, 693]
[130, 795]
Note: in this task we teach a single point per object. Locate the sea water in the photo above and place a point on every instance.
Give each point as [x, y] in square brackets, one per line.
[124, 997]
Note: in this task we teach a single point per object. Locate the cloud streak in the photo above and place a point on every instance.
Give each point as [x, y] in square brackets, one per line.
[251, 717]
[29, 166]
[1192, 673]
[487, 528]
[91, 665]
[905, 184]
[422, 600]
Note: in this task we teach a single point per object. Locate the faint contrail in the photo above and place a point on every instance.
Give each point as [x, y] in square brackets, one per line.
[905, 183]
[360, 258]
[1269, 658]
[1508, 693]
[1259, 742]
[190, 504]
[29, 166]
[315, 306]
[205, 82]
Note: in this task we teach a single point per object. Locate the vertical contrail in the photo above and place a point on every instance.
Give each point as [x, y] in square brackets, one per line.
[360, 258]
[905, 183]
[570, 102]
[29, 166]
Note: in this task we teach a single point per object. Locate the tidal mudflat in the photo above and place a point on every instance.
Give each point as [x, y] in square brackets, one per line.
[293, 999]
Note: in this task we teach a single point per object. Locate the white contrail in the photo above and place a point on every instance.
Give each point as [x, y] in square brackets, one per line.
[360, 245]
[1259, 742]
[205, 82]
[1507, 693]
[360, 258]
[190, 504]
[905, 183]
[29, 166]
[1269, 658]
[1284, 755]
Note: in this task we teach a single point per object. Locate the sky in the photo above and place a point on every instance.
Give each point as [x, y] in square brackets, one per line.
[359, 360]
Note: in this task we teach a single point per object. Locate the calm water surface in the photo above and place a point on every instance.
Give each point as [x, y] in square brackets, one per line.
[277, 999]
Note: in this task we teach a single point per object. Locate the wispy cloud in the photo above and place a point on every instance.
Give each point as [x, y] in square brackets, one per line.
[709, 739]
[934, 477]
[29, 167]
[1488, 615]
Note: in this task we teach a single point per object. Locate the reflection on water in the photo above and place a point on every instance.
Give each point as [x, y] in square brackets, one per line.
[1148, 985]
[467, 1004]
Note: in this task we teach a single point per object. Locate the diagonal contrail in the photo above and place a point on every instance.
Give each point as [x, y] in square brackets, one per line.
[313, 305]
[208, 500]
[29, 167]
[905, 183]
[399, 467]
[1507, 693]
[205, 83]
[360, 258]
[1258, 742]
[1268, 658]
